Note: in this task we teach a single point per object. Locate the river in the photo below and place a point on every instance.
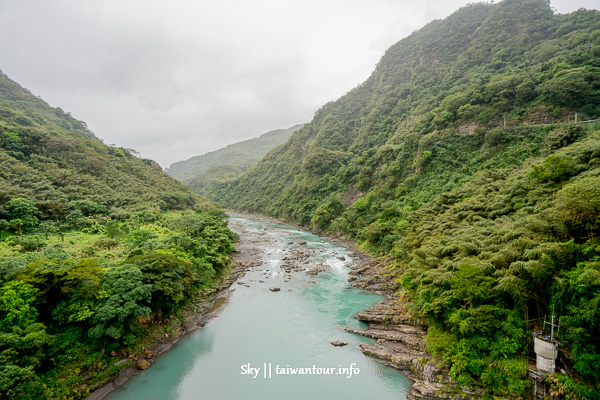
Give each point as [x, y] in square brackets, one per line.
[259, 334]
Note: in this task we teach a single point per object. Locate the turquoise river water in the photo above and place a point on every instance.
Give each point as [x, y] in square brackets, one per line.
[274, 331]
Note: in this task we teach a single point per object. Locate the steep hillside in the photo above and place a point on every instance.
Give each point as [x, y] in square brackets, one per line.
[99, 251]
[461, 158]
[229, 162]
[52, 158]
[456, 79]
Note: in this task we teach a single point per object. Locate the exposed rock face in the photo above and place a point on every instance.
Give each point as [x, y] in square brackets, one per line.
[375, 277]
[401, 339]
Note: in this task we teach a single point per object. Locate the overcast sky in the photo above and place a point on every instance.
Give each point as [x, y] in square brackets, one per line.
[178, 78]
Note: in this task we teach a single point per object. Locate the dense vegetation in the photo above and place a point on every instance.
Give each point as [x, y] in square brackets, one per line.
[463, 157]
[98, 248]
[229, 162]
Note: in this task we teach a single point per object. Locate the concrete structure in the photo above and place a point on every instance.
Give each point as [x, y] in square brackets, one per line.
[546, 353]
[540, 388]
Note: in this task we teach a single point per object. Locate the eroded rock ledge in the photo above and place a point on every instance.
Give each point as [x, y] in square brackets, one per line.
[401, 339]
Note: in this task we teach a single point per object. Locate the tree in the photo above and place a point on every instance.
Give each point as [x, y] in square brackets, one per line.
[22, 210]
[169, 277]
[126, 299]
[555, 169]
[16, 309]
[112, 229]
[578, 204]
[80, 290]
[21, 352]
[571, 88]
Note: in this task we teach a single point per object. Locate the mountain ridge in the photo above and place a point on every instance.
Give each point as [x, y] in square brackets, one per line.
[227, 162]
[66, 162]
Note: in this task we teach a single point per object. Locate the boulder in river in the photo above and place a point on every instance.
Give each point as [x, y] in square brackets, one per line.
[337, 343]
[317, 269]
[274, 289]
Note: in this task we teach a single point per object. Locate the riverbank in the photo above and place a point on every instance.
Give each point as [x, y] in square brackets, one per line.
[401, 338]
[192, 317]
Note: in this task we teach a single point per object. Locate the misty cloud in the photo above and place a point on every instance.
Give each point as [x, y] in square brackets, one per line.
[181, 78]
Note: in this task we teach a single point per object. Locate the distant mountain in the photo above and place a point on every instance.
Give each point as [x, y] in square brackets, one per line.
[229, 162]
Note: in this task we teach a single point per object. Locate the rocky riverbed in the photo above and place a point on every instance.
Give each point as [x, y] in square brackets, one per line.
[399, 339]
[286, 309]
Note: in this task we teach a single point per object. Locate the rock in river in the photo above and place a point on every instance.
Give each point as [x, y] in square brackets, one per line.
[337, 343]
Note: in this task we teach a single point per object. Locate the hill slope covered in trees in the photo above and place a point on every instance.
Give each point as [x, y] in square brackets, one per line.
[462, 157]
[229, 162]
[99, 249]
[54, 159]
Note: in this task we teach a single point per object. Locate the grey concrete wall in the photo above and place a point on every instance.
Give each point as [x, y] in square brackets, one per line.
[545, 349]
[545, 364]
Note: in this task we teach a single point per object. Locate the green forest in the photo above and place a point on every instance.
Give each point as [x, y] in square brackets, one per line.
[99, 250]
[471, 160]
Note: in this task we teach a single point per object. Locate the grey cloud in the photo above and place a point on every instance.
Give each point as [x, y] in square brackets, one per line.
[180, 78]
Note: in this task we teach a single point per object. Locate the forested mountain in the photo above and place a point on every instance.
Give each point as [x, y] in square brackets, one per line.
[52, 158]
[229, 162]
[464, 159]
[99, 250]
